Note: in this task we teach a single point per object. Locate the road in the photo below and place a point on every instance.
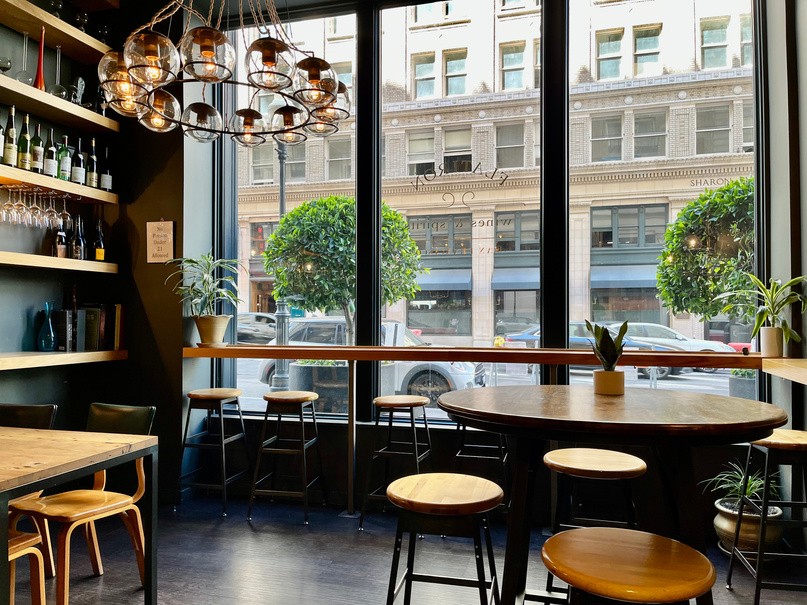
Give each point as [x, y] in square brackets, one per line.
[512, 374]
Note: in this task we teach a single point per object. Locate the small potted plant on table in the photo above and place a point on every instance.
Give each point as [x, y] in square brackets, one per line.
[768, 306]
[608, 350]
[203, 282]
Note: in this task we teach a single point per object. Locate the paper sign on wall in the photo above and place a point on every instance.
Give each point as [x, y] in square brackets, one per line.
[160, 241]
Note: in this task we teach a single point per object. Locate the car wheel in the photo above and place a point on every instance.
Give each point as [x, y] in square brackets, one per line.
[428, 384]
[661, 373]
[708, 370]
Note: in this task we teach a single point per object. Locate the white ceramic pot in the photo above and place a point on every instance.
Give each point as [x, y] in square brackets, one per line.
[212, 329]
[609, 382]
[771, 342]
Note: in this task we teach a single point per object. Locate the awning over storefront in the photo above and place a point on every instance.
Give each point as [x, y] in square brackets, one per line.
[445, 279]
[623, 276]
[523, 278]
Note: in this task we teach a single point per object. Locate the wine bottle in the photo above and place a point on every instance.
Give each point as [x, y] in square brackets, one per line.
[63, 157]
[77, 242]
[92, 166]
[10, 140]
[24, 146]
[50, 163]
[60, 247]
[39, 80]
[78, 172]
[105, 177]
[98, 244]
[37, 152]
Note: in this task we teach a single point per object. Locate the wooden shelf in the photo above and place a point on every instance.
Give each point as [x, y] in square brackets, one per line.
[78, 193]
[23, 16]
[49, 262]
[44, 105]
[36, 359]
[791, 369]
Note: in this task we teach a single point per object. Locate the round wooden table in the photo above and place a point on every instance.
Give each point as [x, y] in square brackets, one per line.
[670, 422]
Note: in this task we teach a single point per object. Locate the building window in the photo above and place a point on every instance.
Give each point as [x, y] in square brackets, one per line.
[634, 226]
[650, 135]
[295, 163]
[606, 139]
[746, 41]
[258, 234]
[342, 26]
[457, 150]
[442, 234]
[713, 130]
[423, 69]
[510, 146]
[748, 127]
[537, 62]
[609, 55]
[263, 166]
[338, 159]
[455, 72]
[421, 152]
[344, 73]
[513, 66]
[626, 304]
[536, 148]
[440, 312]
[518, 231]
[646, 52]
[714, 44]
[383, 156]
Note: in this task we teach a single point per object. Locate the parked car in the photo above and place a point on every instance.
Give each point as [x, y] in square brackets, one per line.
[430, 379]
[506, 324]
[579, 338]
[256, 328]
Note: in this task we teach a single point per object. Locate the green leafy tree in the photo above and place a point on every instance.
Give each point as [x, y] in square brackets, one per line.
[709, 250]
[312, 255]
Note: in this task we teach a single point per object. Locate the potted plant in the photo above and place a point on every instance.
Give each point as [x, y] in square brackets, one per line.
[608, 350]
[730, 482]
[743, 383]
[768, 306]
[203, 282]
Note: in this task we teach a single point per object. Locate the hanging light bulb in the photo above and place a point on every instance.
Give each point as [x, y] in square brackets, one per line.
[287, 120]
[164, 112]
[267, 65]
[207, 55]
[114, 78]
[320, 129]
[316, 83]
[337, 110]
[246, 123]
[201, 122]
[128, 106]
[151, 58]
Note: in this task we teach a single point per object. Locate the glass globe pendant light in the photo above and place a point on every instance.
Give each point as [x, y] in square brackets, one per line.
[201, 122]
[319, 128]
[337, 110]
[129, 106]
[316, 83]
[163, 112]
[114, 78]
[207, 55]
[151, 58]
[287, 120]
[247, 122]
[267, 66]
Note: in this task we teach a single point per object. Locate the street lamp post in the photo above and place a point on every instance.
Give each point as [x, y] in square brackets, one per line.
[280, 379]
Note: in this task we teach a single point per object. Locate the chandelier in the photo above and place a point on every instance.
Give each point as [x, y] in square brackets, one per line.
[306, 96]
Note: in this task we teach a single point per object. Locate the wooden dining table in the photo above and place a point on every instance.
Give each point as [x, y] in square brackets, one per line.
[669, 422]
[35, 459]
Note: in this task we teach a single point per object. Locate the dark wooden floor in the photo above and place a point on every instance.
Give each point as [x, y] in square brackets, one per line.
[206, 559]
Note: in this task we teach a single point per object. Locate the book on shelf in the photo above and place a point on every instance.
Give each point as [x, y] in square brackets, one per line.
[117, 337]
[63, 327]
[92, 328]
[102, 328]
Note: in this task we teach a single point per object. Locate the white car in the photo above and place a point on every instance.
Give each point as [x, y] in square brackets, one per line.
[664, 336]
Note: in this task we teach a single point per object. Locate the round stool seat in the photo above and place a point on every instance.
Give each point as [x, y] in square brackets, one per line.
[785, 439]
[291, 396]
[445, 494]
[214, 393]
[628, 565]
[595, 463]
[401, 401]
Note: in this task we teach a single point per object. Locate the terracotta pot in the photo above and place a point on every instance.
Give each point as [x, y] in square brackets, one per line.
[609, 382]
[211, 329]
[726, 524]
[771, 342]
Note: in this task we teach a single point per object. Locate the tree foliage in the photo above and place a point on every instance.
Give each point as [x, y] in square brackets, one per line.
[312, 255]
[709, 250]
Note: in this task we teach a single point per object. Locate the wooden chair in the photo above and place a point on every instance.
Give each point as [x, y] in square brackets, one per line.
[444, 504]
[22, 544]
[81, 508]
[627, 565]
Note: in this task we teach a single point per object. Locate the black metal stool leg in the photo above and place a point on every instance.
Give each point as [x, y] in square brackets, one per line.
[414, 439]
[278, 428]
[763, 524]
[303, 466]
[319, 458]
[396, 557]
[244, 439]
[258, 458]
[428, 451]
[734, 549]
[630, 503]
[494, 578]
[410, 568]
[223, 462]
[480, 564]
[367, 479]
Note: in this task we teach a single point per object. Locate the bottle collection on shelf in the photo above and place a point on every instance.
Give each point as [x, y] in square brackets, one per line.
[70, 241]
[34, 154]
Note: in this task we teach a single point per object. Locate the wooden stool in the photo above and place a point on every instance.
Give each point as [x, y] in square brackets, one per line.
[288, 403]
[444, 504]
[783, 447]
[390, 405]
[627, 565]
[21, 544]
[214, 400]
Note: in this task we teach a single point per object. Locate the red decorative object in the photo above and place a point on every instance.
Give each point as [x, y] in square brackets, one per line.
[39, 80]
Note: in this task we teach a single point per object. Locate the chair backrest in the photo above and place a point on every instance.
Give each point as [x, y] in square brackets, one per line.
[111, 418]
[27, 416]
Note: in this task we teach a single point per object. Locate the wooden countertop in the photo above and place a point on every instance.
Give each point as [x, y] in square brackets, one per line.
[791, 369]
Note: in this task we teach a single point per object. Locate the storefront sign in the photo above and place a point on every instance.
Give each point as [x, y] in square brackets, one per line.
[717, 182]
[431, 174]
